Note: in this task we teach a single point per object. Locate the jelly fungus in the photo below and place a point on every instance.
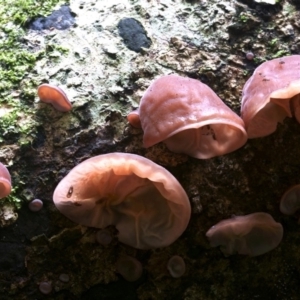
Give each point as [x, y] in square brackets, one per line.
[290, 201]
[176, 266]
[270, 95]
[252, 235]
[64, 277]
[45, 287]
[54, 95]
[35, 205]
[5, 181]
[249, 55]
[104, 237]
[129, 268]
[144, 202]
[188, 117]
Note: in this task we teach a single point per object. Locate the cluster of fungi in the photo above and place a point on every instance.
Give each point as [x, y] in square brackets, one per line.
[145, 202]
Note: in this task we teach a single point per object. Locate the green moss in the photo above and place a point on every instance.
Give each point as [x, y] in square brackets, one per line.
[16, 62]
[277, 48]
[14, 199]
[259, 60]
[17, 118]
[273, 42]
[280, 53]
[244, 18]
[19, 11]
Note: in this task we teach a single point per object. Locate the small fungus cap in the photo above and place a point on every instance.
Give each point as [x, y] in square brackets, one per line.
[45, 287]
[36, 205]
[290, 201]
[134, 119]
[54, 95]
[176, 266]
[5, 181]
[270, 95]
[64, 277]
[252, 235]
[145, 202]
[189, 118]
[104, 237]
[130, 268]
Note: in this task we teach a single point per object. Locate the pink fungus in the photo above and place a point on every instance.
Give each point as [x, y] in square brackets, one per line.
[45, 287]
[134, 119]
[188, 117]
[252, 235]
[176, 266]
[145, 203]
[64, 277]
[270, 95]
[5, 181]
[290, 201]
[104, 237]
[54, 95]
[35, 205]
[129, 268]
[249, 55]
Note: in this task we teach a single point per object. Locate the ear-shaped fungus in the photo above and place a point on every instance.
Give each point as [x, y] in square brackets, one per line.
[189, 118]
[145, 203]
[290, 201]
[54, 95]
[253, 234]
[5, 181]
[270, 95]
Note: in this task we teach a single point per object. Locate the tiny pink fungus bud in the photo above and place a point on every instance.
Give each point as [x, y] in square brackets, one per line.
[176, 266]
[104, 237]
[45, 287]
[290, 201]
[35, 205]
[142, 200]
[129, 268]
[134, 119]
[5, 181]
[249, 55]
[54, 95]
[252, 235]
[188, 117]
